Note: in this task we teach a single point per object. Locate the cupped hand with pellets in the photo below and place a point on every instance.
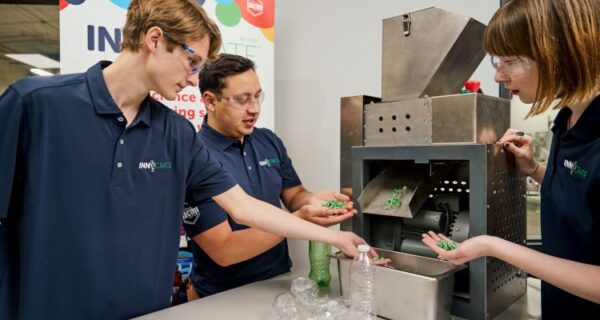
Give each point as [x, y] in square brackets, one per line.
[457, 253]
[327, 208]
[340, 204]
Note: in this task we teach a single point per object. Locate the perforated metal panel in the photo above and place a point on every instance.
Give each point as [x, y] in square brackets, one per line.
[506, 205]
[398, 123]
[460, 118]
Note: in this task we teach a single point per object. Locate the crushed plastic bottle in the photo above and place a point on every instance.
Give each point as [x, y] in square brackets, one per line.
[333, 310]
[304, 303]
[284, 307]
[304, 290]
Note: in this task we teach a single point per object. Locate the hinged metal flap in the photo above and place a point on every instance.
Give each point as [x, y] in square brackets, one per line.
[429, 52]
[416, 185]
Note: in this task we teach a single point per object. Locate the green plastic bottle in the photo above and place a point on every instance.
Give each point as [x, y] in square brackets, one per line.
[319, 263]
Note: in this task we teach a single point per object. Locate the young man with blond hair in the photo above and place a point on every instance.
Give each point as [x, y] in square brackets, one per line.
[94, 174]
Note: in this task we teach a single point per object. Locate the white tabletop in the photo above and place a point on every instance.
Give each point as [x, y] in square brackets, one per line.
[254, 301]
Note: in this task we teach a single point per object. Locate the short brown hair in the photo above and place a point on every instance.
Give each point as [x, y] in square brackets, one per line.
[182, 20]
[562, 36]
[214, 74]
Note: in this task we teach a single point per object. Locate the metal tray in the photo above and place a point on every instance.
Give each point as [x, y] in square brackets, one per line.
[414, 288]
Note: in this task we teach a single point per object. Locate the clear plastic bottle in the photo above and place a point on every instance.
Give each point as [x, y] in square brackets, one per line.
[318, 254]
[362, 294]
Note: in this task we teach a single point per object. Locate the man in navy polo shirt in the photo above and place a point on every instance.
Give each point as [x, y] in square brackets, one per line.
[229, 254]
[94, 174]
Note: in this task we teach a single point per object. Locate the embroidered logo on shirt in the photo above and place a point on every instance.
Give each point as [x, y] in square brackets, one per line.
[575, 169]
[269, 162]
[155, 165]
[191, 215]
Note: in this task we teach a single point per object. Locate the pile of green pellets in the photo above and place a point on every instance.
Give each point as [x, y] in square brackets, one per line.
[394, 201]
[447, 245]
[334, 204]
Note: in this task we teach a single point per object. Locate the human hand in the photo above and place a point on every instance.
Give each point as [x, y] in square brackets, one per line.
[349, 244]
[320, 198]
[466, 251]
[379, 260]
[521, 145]
[321, 215]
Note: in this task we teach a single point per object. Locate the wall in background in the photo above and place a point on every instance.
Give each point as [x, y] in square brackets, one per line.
[518, 111]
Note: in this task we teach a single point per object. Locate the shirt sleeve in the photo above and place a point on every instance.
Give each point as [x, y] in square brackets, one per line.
[207, 178]
[11, 110]
[204, 216]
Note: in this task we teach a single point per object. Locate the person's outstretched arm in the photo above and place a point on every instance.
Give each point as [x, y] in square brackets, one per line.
[258, 214]
[227, 247]
[580, 279]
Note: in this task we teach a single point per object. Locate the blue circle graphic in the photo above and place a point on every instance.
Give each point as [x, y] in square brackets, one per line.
[124, 4]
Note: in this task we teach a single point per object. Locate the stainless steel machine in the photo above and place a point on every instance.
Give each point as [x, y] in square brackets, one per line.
[422, 157]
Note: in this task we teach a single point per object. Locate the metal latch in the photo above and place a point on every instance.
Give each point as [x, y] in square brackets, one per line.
[406, 24]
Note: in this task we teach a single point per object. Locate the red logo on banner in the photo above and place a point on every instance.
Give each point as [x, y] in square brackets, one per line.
[259, 13]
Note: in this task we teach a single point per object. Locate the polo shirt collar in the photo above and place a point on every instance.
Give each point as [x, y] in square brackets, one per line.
[101, 98]
[220, 140]
[103, 101]
[587, 127]
[560, 122]
[144, 115]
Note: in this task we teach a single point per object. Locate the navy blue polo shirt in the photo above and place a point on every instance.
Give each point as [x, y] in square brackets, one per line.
[570, 207]
[263, 169]
[90, 208]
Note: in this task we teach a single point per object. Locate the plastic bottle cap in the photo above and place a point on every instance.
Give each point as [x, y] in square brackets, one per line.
[363, 248]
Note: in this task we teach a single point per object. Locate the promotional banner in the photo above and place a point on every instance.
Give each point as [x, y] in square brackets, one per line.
[90, 31]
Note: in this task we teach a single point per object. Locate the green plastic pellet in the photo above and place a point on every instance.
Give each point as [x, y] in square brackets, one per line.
[453, 245]
[334, 204]
[447, 245]
[442, 244]
[394, 201]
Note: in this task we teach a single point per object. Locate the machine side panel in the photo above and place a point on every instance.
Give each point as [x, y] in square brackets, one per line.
[506, 203]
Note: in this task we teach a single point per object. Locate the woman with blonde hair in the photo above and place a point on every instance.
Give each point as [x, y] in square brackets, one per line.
[548, 51]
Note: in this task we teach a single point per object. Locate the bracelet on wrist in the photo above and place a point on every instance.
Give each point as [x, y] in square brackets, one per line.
[537, 166]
